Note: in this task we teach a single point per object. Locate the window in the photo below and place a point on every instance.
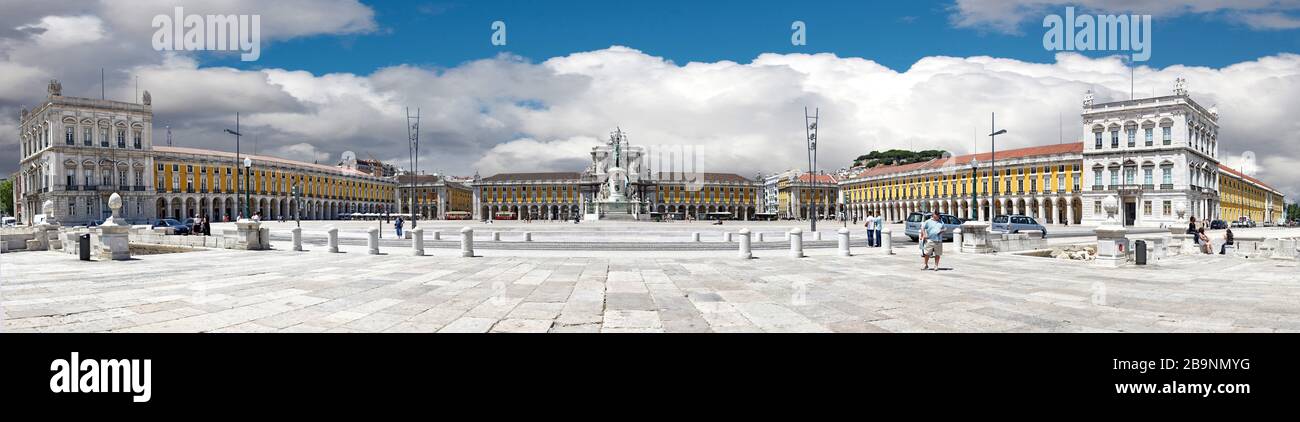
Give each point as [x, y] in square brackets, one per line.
[1167, 176]
[1130, 173]
[1096, 207]
[135, 136]
[1132, 137]
[1149, 133]
[103, 137]
[72, 206]
[1166, 207]
[121, 138]
[87, 136]
[1114, 139]
[106, 178]
[1146, 207]
[1167, 135]
[69, 133]
[89, 205]
[1146, 176]
[90, 177]
[139, 176]
[1098, 139]
[1096, 176]
[1114, 176]
[121, 177]
[72, 178]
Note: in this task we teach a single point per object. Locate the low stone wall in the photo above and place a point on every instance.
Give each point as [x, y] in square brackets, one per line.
[1013, 242]
[218, 242]
[15, 241]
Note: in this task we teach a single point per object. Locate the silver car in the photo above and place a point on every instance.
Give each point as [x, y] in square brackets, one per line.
[914, 221]
[1016, 224]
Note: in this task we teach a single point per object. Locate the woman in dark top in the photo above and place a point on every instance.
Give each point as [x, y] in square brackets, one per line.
[1227, 240]
[1191, 229]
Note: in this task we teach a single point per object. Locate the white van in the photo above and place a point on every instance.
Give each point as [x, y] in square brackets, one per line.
[8, 221]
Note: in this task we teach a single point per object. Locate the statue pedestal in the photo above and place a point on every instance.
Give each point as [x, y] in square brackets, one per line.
[975, 237]
[114, 242]
[247, 236]
[1112, 245]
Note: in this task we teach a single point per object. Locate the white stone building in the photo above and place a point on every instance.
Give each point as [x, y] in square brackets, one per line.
[1156, 155]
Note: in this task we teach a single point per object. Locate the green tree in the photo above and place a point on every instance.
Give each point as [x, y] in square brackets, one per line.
[896, 156]
[7, 197]
[1293, 211]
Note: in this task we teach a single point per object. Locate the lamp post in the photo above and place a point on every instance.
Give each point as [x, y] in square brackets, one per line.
[974, 189]
[297, 205]
[248, 165]
[237, 135]
[993, 161]
[810, 129]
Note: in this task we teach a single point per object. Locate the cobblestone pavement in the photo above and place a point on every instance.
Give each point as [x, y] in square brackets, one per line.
[574, 291]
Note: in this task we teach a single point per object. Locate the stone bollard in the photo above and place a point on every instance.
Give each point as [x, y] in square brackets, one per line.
[760, 237]
[726, 237]
[844, 242]
[887, 241]
[496, 236]
[745, 253]
[466, 242]
[372, 241]
[297, 238]
[417, 242]
[333, 239]
[956, 239]
[437, 235]
[817, 235]
[796, 242]
[695, 237]
[528, 236]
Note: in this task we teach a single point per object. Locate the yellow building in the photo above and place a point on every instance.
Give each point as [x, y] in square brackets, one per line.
[435, 196]
[1245, 197]
[796, 194]
[1037, 181]
[193, 182]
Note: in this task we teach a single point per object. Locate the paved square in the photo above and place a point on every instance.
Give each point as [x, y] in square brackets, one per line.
[638, 292]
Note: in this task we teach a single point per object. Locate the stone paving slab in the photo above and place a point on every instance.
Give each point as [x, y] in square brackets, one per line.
[638, 292]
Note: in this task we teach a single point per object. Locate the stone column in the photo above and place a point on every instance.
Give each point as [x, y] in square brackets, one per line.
[297, 238]
[744, 244]
[496, 236]
[957, 239]
[887, 241]
[114, 243]
[372, 241]
[695, 236]
[1112, 245]
[796, 243]
[333, 236]
[467, 242]
[844, 241]
[417, 241]
[726, 237]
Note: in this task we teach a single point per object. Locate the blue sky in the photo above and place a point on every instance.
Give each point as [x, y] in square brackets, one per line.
[894, 34]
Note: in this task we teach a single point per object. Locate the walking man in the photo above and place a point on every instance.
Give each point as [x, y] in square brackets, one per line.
[398, 225]
[871, 230]
[932, 240]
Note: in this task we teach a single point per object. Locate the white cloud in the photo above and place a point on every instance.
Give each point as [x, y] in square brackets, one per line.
[506, 113]
[1269, 20]
[64, 31]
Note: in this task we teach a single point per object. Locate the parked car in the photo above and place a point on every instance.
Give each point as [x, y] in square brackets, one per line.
[189, 222]
[1218, 225]
[1243, 224]
[914, 221]
[1016, 224]
[177, 227]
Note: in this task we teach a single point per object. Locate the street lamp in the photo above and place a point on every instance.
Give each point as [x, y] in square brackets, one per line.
[248, 165]
[810, 129]
[974, 189]
[297, 205]
[237, 135]
[993, 161]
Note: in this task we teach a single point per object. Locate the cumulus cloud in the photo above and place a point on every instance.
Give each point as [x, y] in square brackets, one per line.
[63, 31]
[507, 113]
